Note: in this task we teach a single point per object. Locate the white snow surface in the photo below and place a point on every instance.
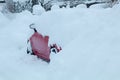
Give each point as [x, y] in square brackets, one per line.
[20, 0]
[90, 40]
[38, 10]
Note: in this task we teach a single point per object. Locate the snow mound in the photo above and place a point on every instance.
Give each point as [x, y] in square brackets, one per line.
[54, 7]
[81, 6]
[90, 40]
[38, 9]
[3, 20]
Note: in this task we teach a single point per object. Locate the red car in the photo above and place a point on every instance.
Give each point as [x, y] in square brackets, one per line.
[39, 46]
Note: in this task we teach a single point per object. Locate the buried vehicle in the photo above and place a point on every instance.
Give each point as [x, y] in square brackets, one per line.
[39, 46]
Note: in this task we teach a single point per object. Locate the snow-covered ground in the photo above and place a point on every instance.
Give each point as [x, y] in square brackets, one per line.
[1, 6]
[90, 40]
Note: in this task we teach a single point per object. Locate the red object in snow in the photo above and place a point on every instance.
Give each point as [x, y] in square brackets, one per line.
[40, 47]
[58, 49]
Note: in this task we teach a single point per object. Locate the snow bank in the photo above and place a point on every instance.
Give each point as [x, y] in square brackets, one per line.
[90, 39]
[38, 10]
[54, 7]
[81, 6]
[20, 0]
[3, 20]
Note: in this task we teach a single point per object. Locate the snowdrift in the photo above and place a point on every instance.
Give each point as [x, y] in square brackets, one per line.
[90, 39]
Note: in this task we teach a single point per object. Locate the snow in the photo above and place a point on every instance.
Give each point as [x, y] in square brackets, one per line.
[20, 0]
[1, 6]
[54, 7]
[38, 10]
[90, 40]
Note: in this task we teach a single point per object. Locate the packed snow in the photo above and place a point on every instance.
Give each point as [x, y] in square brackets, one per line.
[38, 10]
[20, 0]
[90, 41]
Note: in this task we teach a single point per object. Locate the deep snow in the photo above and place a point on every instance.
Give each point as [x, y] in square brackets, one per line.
[90, 39]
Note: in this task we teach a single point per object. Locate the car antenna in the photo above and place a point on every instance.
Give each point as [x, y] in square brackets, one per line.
[32, 27]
